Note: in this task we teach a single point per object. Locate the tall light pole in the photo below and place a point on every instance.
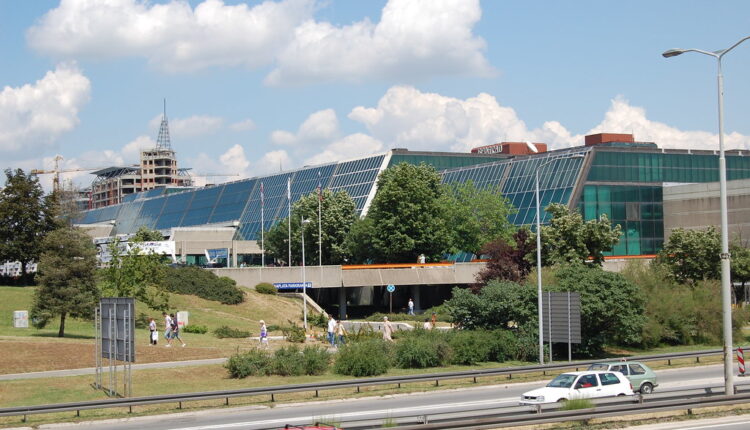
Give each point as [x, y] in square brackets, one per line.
[539, 256]
[304, 221]
[726, 293]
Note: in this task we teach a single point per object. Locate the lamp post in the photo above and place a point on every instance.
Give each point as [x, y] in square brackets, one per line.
[304, 221]
[539, 256]
[726, 300]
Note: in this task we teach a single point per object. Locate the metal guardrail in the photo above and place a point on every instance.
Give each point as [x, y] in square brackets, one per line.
[317, 387]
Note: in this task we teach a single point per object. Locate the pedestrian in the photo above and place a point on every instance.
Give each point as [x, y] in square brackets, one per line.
[263, 335]
[387, 330]
[176, 330]
[340, 332]
[167, 329]
[434, 320]
[427, 325]
[331, 330]
[153, 335]
[411, 306]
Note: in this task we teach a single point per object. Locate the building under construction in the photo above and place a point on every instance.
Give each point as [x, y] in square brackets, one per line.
[158, 169]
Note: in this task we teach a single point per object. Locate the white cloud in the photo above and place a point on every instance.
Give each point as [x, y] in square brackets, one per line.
[173, 36]
[414, 39]
[319, 127]
[272, 162]
[131, 152]
[234, 161]
[33, 116]
[244, 125]
[352, 146]
[196, 125]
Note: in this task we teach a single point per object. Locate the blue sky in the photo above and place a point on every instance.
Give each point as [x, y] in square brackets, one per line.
[253, 87]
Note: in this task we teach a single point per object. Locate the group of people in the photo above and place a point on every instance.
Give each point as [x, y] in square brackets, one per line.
[171, 330]
[336, 332]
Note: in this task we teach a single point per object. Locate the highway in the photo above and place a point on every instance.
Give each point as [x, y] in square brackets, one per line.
[379, 410]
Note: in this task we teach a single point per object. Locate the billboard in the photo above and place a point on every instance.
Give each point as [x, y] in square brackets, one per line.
[118, 328]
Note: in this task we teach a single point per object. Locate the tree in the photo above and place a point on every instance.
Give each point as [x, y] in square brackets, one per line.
[507, 260]
[132, 272]
[569, 239]
[740, 268]
[692, 255]
[477, 216]
[407, 216]
[337, 212]
[145, 234]
[67, 278]
[26, 216]
[497, 304]
[611, 306]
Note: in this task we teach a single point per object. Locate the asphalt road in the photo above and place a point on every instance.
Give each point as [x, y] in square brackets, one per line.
[381, 409]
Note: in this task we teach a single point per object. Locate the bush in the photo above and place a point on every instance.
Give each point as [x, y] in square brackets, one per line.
[255, 362]
[199, 329]
[203, 283]
[288, 361]
[142, 320]
[293, 332]
[366, 358]
[364, 332]
[229, 332]
[470, 347]
[574, 404]
[421, 351]
[317, 320]
[316, 360]
[266, 288]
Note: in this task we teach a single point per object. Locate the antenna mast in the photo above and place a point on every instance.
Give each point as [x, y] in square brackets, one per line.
[163, 142]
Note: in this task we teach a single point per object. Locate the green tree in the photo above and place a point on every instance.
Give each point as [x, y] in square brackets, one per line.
[358, 239]
[692, 255]
[67, 278]
[740, 268]
[611, 306]
[477, 216]
[145, 234]
[408, 218]
[131, 272]
[569, 239]
[337, 214]
[497, 304]
[26, 216]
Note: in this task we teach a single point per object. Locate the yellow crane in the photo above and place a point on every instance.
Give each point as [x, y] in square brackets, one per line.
[56, 171]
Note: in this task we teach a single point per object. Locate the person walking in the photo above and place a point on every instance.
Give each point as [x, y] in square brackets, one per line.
[340, 332]
[427, 325]
[176, 330]
[263, 335]
[331, 330]
[387, 330]
[167, 329]
[411, 306]
[153, 335]
[433, 320]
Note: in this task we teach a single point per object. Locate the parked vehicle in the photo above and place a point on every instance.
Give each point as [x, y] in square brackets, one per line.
[579, 385]
[641, 376]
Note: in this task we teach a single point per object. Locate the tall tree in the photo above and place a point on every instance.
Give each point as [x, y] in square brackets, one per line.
[26, 216]
[477, 216]
[337, 214]
[740, 268]
[692, 255]
[131, 272]
[407, 216]
[67, 278]
[569, 239]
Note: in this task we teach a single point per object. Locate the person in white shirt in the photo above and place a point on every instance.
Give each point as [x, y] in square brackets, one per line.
[167, 329]
[331, 329]
[153, 334]
[411, 307]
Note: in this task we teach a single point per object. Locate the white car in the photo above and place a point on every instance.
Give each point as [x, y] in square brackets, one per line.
[579, 385]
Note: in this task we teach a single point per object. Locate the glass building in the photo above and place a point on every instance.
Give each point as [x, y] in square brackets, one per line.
[622, 179]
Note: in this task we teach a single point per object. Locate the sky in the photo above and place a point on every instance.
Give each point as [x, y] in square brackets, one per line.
[255, 87]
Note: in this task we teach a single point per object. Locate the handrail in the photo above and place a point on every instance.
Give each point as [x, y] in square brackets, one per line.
[319, 386]
[395, 265]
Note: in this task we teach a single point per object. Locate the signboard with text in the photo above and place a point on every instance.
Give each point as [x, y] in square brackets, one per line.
[291, 285]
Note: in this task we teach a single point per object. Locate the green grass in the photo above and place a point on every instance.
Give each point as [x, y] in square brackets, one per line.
[21, 299]
[571, 405]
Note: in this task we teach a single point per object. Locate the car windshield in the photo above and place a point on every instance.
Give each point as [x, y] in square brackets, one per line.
[599, 366]
[562, 381]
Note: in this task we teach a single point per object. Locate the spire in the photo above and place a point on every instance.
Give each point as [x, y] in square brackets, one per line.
[163, 142]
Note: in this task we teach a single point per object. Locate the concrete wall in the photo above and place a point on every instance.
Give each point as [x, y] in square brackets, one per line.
[697, 206]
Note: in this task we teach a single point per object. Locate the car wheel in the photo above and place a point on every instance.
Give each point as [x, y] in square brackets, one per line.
[563, 400]
[646, 388]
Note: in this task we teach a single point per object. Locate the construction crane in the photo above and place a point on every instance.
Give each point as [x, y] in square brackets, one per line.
[56, 171]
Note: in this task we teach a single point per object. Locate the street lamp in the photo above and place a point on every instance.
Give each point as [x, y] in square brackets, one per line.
[726, 300]
[539, 256]
[304, 221]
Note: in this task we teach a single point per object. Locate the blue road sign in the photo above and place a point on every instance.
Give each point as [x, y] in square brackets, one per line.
[390, 288]
[291, 285]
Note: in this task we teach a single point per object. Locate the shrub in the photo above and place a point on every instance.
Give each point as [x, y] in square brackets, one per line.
[470, 347]
[255, 362]
[422, 351]
[316, 360]
[142, 320]
[199, 329]
[364, 332]
[266, 288]
[366, 358]
[202, 283]
[317, 320]
[229, 332]
[288, 361]
[293, 332]
[571, 405]
[502, 345]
